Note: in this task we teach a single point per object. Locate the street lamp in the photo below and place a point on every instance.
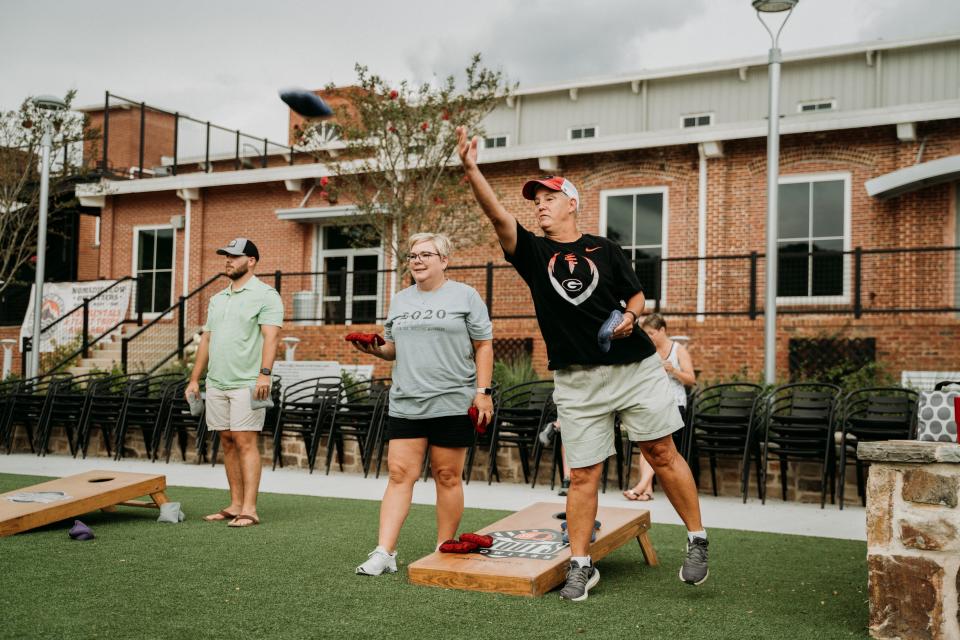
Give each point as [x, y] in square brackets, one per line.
[773, 175]
[50, 103]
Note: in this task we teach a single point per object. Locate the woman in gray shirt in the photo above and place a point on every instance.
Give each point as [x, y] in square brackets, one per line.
[440, 339]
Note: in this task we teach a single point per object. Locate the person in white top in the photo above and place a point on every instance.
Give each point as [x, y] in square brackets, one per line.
[679, 367]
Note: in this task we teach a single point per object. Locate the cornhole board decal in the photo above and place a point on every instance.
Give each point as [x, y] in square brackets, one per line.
[528, 556]
[85, 492]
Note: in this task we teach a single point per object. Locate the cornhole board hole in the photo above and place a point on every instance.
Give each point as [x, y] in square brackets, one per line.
[85, 492]
[528, 556]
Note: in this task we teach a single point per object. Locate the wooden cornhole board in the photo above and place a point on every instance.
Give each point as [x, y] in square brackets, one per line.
[528, 556]
[87, 492]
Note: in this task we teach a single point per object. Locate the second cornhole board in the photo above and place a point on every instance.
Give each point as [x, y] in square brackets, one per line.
[529, 557]
[86, 492]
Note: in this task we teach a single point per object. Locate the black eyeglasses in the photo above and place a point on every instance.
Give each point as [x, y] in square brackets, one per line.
[423, 256]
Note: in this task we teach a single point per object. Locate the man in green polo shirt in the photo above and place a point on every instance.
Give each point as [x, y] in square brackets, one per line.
[239, 342]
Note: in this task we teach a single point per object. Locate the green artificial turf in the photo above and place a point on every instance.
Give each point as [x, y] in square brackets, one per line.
[292, 577]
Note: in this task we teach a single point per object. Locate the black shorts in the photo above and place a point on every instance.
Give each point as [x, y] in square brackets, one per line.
[445, 431]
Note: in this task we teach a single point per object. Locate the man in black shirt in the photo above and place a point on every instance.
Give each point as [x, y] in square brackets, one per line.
[576, 280]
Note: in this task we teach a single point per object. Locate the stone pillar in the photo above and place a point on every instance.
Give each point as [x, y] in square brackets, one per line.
[913, 539]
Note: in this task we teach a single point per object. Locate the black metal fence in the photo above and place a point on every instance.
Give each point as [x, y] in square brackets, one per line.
[191, 145]
[855, 283]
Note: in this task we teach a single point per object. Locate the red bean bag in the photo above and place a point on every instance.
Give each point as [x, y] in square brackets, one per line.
[480, 540]
[364, 338]
[478, 424]
[454, 546]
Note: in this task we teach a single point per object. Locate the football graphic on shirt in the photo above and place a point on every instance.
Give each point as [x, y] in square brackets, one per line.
[573, 277]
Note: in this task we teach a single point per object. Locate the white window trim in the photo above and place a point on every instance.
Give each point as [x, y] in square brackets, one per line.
[709, 114]
[847, 241]
[596, 131]
[173, 270]
[803, 103]
[664, 231]
[505, 136]
[321, 254]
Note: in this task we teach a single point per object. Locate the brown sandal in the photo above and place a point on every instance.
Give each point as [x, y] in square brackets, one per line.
[220, 516]
[243, 520]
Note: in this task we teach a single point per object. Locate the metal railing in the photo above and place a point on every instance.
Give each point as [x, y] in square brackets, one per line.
[166, 336]
[855, 283]
[233, 145]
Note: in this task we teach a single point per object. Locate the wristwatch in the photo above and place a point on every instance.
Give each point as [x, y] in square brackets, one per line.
[487, 391]
[265, 371]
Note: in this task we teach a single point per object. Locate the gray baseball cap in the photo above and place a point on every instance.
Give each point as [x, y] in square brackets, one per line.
[240, 247]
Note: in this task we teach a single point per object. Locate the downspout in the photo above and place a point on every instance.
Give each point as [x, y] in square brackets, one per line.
[702, 236]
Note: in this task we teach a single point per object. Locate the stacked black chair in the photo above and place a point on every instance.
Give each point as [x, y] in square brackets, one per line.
[521, 412]
[875, 413]
[799, 425]
[306, 409]
[358, 411]
[69, 398]
[103, 409]
[724, 420]
[143, 407]
[380, 435]
[29, 406]
[176, 418]
[8, 389]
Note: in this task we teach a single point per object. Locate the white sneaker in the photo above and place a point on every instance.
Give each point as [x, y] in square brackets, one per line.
[378, 562]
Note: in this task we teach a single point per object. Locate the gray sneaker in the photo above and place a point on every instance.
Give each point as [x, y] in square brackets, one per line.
[547, 433]
[378, 562]
[694, 570]
[579, 582]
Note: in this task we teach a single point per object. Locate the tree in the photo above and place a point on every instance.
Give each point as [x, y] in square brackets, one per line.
[397, 159]
[20, 133]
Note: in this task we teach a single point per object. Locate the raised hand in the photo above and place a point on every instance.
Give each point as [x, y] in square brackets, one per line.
[467, 148]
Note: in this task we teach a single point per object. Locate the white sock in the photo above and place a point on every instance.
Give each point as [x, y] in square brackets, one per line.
[383, 550]
[696, 534]
[582, 561]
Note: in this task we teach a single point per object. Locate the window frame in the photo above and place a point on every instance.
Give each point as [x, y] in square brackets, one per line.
[320, 255]
[496, 136]
[709, 114]
[831, 101]
[135, 271]
[843, 298]
[581, 128]
[649, 302]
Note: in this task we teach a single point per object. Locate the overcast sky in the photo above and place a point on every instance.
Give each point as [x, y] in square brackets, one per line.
[223, 60]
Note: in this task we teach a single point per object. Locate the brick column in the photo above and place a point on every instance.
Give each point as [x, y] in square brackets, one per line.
[913, 539]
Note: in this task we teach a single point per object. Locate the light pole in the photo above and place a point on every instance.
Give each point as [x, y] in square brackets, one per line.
[51, 103]
[773, 176]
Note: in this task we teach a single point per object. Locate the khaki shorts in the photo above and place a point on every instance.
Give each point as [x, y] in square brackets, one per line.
[588, 399]
[229, 410]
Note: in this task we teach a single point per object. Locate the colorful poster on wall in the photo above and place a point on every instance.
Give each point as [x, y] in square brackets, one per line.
[59, 298]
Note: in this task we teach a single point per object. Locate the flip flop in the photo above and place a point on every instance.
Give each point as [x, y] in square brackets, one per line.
[248, 521]
[630, 494]
[224, 515]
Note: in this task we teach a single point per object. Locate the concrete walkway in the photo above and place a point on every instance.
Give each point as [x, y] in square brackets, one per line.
[727, 513]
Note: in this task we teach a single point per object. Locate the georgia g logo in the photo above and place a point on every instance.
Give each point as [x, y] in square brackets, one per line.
[570, 282]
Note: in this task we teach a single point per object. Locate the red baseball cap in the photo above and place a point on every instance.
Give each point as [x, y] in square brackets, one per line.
[554, 183]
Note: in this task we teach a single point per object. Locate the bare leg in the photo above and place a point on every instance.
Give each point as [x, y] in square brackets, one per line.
[644, 486]
[582, 507]
[231, 463]
[250, 465]
[404, 460]
[675, 478]
[447, 465]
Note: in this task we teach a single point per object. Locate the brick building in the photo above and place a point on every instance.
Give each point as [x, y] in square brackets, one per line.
[671, 162]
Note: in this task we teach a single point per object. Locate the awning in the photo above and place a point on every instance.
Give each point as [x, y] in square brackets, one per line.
[316, 214]
[915, 177]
